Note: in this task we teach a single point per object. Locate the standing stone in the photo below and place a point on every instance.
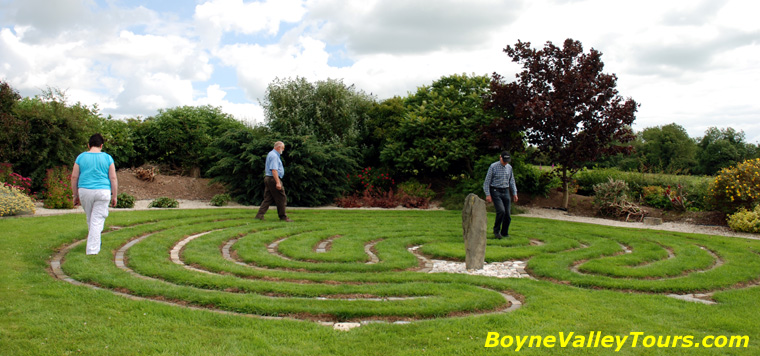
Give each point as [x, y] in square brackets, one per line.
[474, 224]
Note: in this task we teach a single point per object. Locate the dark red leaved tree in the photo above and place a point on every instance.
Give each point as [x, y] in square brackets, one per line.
[564, 105]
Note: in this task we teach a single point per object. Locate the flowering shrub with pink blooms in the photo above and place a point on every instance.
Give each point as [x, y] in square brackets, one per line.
[10, 179]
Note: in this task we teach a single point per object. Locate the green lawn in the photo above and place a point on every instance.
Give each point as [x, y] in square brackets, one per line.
[590, 279]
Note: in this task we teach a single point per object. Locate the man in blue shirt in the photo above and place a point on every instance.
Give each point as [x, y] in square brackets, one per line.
[273, 189]
[500, 188]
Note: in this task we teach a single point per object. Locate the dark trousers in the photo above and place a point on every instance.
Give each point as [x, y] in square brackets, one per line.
[271, 194]
[502, 201]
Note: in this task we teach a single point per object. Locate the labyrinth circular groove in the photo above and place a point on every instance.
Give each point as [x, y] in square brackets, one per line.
[355, 266]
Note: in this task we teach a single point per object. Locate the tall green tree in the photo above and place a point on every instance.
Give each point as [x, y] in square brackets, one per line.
[565, 105]
[440, 131]
[328, 110]
[722, 148]
[180, 137]
[667, 149]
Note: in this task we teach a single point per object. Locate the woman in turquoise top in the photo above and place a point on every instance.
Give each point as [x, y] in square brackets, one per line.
[94, 184]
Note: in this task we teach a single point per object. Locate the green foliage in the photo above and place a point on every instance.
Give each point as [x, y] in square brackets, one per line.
[221, 199]
[58, 193]
[655, 197]
[666, 149]
[440, 131]
[384, 119]
[745, 220]
[164, 202]
[414, 188]
[46, 132]
[736, 187]
[724, 148]
[315, 172]
[122, 142]
[327, 111]
[695, 187]
[181, 137]
[13, 201]
[125, 201]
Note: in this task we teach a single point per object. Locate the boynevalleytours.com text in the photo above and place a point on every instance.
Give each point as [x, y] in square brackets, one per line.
[596, 339]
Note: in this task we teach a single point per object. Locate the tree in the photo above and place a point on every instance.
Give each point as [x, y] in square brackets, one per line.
[440, 131]
[564, 104]
[328, 111]
[720, 149]
[667, 149]
[180, 137]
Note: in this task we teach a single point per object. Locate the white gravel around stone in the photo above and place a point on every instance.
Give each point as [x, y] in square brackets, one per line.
[508, 269]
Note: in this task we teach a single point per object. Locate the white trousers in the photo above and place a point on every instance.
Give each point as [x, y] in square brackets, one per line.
[95, 205]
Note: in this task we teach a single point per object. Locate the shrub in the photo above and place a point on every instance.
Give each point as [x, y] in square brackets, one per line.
[164, 202]
[736, 187]
[612, 200]
[695, 187]
[745, 220]
[221, 199]
[125, 201]
[654, 196]
[11, 179]
[369, 179]
[13, 201]
[349, 201]
[379, 199]
[57, 185]
[413, 194]
[315, 173]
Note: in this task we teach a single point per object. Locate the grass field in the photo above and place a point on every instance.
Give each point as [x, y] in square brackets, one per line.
[239, 286]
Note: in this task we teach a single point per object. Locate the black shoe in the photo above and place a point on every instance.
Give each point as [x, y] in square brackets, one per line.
[497, 235]
[259, 218]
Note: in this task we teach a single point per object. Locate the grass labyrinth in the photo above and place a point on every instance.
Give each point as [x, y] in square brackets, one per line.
[336, 266]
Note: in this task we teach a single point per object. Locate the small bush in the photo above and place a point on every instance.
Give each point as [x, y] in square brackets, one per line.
[413, 194]
[611, 198]
[13, 201]
[371, 179]
[736, 187]
[58, 193]
[221, 199]
[11, 179]
[380, 199]
[349, 201]
[164, 202]
[654, 196]
[745, 220]
[125, 201]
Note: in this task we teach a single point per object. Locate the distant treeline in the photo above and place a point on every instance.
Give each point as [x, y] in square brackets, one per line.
[438, 134]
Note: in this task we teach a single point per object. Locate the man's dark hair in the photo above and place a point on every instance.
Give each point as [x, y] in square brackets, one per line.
[96, 140]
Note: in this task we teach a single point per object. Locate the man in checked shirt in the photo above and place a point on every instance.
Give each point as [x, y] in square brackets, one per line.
[500, 188]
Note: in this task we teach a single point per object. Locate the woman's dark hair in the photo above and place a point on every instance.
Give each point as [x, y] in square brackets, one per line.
[96, 140]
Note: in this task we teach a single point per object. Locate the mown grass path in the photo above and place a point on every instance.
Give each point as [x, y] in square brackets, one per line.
[184, 281]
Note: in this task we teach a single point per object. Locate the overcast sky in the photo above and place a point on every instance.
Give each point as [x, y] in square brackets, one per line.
[692, 62]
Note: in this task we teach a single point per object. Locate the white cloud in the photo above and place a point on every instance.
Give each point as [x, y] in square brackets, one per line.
[250, 113]
[216, 17]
